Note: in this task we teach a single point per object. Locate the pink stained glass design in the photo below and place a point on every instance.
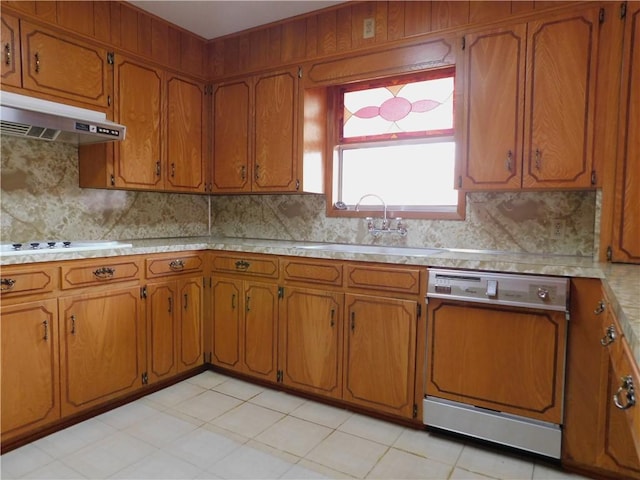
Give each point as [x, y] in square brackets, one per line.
[413, 108]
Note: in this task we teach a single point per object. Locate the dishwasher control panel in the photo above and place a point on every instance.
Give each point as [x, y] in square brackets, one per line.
[528, 291]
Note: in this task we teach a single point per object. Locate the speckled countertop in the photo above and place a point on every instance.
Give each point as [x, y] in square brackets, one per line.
[622, 282]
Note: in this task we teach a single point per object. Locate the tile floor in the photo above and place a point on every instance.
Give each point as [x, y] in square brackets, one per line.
[213, 426]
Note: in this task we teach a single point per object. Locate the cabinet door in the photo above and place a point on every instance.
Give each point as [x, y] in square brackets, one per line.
[64, 67]
[380, 353]
[185, 135]
[276, 123]
[311, 340]
[139, 107]
[560, 101]
[10, 66]
[259, 354]
[161, 345]
[231, 133]
[102, 342]
[30, 382]
[626, 230]
[493, 82]
[189, 330]
[227, 315]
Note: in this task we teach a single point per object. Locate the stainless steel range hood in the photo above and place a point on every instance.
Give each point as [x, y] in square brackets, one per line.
[30, 117]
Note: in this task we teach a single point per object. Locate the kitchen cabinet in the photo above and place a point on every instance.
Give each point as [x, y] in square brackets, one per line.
[174, 314]
[599, 359]
[102, 345]
[311, 341]
[380, 353]
[245, 314]
[255, 134]
[165, 145]
[11, 65]
[534, 84]
[30, 366]
[61, 66]
[625, 246]
[380, 338]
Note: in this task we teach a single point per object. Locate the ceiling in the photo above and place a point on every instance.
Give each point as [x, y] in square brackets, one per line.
[216, 18]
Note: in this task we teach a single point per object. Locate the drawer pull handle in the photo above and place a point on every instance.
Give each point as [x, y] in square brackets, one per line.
[333, 315]
[609, 336]
[176, 264]
[37, 57]
[170, 305]
[45, 324]
[186, 300]
[104, 272]
[627, 385]
[353, 322]
[73, 324]
[538, 160]
[233, 301]
[242, 265]
[600, 308]
[509, 163]
[7, 284]
[7, 54]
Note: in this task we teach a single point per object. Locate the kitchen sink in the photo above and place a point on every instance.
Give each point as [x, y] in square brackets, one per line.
[371, 249]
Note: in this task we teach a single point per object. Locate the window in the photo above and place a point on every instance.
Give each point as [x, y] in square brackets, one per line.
[395, 139]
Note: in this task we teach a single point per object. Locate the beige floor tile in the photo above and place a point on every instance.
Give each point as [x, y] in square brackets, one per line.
[315, 412]
[175, 394]
[129, 414]
[347, 453]
[159, 465]
[162, 429]
[208, 405]
[398, 464]
[323, 470]
[74, 438]
[549, 472]
[294, 435]
[23, 460]
[429, 445]
[494, 464]
[461, 474]
[239, 389]
[247, 420]
[105, 458]
[202, 447]
[208, 379]
[250, 463]
[54, 470]
[371, 429]
[279, 401]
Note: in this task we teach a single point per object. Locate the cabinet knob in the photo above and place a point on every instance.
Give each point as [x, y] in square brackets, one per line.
[600, 308]
[609, 336]
[176, 264]
[6, 284]
[625, 386]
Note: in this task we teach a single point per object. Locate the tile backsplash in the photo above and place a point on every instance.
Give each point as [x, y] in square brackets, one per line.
[40, 199]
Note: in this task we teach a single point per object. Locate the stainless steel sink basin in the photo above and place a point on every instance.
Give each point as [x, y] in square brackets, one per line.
[371, 249]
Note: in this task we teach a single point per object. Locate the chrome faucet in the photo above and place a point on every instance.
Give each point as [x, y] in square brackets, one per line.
[384, 228]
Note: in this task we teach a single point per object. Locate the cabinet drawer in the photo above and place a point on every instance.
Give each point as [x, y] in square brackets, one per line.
[403, 280]
[27, 281]
[309, 271]
[98, 272]
[247, 264]
[174, 264]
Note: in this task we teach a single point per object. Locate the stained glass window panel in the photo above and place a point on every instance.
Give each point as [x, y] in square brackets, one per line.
[396, 111]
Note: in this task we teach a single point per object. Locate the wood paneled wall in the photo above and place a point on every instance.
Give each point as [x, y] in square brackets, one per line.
[339, 29]
[125, 27]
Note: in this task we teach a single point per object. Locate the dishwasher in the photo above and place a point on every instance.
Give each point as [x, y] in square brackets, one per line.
[496, 345]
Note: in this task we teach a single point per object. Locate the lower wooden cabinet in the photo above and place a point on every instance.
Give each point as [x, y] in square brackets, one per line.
[244, 324]
[380, 353]
[102, 345]
[30, 380]
[310, 341]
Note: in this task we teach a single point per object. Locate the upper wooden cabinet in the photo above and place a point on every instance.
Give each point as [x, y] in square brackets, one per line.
[63, 67]
[165, 144]
[528, 111]
[255, 134]
[625, 246]
[11, 65]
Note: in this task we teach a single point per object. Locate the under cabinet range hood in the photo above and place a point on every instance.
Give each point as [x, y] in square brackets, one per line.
[29, 117]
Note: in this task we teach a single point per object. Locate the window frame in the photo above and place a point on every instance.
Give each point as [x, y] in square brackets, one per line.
[336, 144]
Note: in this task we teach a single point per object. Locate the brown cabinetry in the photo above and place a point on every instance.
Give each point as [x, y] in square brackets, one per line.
[533, 85]
[310, 343]
[255, 134]
[30, 366]
[11, 65]
[626, 226]
[64, 67]
[164, 148]
[102, 344]
[174, 314]
[245, 314]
